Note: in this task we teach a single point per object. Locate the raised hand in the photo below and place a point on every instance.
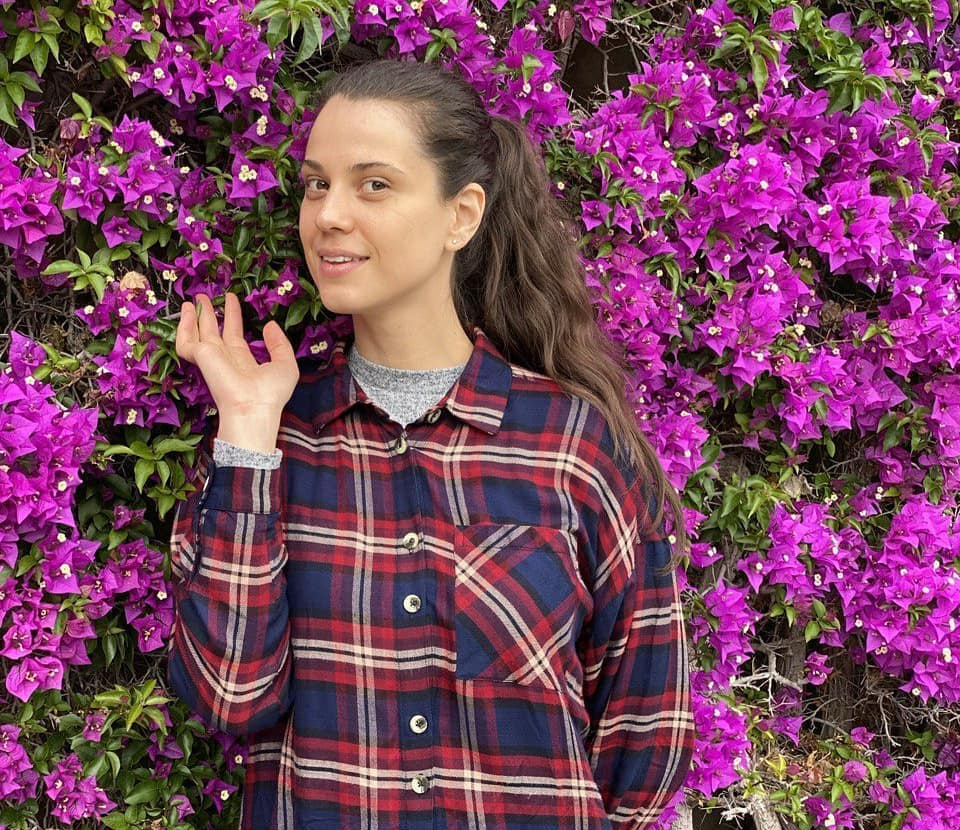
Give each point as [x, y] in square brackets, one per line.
[250, 396]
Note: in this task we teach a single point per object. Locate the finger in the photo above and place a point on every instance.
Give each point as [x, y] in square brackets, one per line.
[232, 319]
[277, 343]
[233, 332]
[207, 319]
[187, 333]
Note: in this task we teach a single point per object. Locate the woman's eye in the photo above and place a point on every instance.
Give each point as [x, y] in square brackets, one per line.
[321, 184]
[375, 186]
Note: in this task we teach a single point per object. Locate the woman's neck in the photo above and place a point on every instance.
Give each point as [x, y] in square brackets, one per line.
[436, 346]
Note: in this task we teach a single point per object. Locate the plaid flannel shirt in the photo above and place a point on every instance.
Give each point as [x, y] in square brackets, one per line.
[456, 624]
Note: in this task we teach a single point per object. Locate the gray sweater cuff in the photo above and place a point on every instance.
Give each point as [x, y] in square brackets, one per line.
[226, 454]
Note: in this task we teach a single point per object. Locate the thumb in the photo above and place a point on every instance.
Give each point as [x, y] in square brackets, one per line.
[277, 343]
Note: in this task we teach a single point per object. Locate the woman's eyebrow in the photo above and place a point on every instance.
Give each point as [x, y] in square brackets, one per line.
[359, 167]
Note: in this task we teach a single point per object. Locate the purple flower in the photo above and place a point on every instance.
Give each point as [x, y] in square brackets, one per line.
[18, 779]
[828, 814]
[183, 805]
[218, 792]
[722, 750]
[782, 20]
[119, 230]
[32, 673]
[93, 725]
[817, 668]
[861, 735]
[75, 798]
[854, 771]
[250, 179]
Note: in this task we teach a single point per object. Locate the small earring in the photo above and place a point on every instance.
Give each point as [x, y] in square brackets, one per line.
[454, 241]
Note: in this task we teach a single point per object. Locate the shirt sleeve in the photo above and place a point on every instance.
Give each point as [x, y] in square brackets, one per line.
[226, 454]
[229, 651]
[636, 675]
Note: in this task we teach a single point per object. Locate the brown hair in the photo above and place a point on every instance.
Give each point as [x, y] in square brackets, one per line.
[519, 279]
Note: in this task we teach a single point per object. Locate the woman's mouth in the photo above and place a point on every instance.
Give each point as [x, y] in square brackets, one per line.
[339, 264]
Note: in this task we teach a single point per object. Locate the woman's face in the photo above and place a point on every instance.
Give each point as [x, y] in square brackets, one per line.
[376, 233]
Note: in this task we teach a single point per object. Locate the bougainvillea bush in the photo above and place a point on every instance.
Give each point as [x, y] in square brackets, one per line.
[769, 204]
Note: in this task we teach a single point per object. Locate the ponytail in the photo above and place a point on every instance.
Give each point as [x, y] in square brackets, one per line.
[519, 278]
[521, 281]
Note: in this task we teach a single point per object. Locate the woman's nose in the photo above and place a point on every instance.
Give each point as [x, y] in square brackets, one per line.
[333, 211]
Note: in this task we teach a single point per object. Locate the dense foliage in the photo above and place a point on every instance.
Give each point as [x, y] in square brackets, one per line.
[769, 202]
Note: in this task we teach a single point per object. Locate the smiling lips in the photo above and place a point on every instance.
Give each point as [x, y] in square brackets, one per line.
[335, 263]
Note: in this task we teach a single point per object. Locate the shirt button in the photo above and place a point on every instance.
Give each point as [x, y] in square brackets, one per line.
[411, 602]
[400, 445]
[411, 540]
[419, 784]
[433, 416]
[418, 723]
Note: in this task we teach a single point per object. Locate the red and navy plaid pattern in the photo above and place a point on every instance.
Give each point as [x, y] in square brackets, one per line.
[460, 624]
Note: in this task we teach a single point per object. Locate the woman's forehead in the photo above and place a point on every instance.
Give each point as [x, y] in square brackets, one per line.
[349, 133]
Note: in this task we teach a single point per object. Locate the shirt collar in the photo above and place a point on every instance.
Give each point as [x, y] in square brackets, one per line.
[478, 397]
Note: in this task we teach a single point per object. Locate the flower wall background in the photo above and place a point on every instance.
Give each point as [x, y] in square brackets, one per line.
[770, 209]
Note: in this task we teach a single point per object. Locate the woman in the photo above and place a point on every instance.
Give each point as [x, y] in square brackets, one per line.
[429, 577]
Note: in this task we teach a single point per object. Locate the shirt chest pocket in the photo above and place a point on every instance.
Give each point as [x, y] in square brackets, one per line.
[519, 603]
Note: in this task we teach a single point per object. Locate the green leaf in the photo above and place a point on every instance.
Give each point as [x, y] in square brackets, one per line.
[308, 45]
[152, 48]
[297, 312]
[264, 8]
[157, 718]
[16, 93]
[116, 821]
[758, 67]
[165, 502]
[53, 44]
[109, 646]
[142, 471]
[141, 450]
[277, 29]
[243, 237]
[433, 50]
[92, 34]
[59, 267]
[39, 57]
[25, 80]
[96, 766]
[165, 445]
[117, 449]
[731, 501]
[144, 792]
[114, 761]
[856, 98]
[26, 563]
[25, 42]
[83, 103]
[529, 65]
[812, 630]
[6, 110]
[891, 439]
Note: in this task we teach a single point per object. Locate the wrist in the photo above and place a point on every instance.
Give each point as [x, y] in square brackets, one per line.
[256, 432]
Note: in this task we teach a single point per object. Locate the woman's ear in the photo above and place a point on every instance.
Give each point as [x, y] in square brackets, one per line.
[467, 208]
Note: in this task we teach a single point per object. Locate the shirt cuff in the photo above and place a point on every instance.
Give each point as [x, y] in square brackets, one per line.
[226, 454]
[241, 489]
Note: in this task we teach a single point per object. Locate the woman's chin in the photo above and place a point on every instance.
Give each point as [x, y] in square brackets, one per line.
[334, 301]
